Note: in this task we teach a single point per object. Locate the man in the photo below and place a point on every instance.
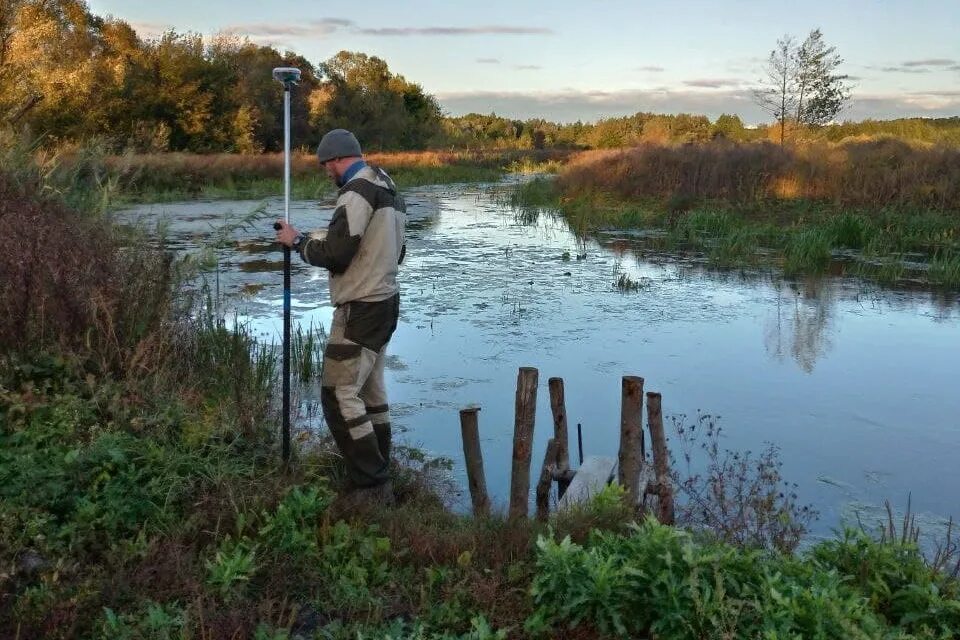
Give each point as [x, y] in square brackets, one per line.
[362, 248]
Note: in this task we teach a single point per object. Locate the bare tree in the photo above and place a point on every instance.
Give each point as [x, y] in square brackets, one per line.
[777, 92]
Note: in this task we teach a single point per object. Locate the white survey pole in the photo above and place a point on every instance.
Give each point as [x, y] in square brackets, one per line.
[289, 76]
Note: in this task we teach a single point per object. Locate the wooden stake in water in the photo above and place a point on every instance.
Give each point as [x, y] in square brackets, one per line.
[557, 406]
[631, 437]
[546, 479]
[661, 458]
[525, 413]
[473, 457]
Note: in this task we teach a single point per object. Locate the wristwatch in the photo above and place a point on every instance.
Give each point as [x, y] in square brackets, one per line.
[298, 241]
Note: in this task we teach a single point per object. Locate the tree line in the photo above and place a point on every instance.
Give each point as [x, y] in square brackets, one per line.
[68, 75]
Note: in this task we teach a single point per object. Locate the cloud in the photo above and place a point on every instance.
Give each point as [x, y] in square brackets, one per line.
[931, 104]
[281, 35]
[925, 65]
[904, 70]
[488, 60]
[264, 32]
[937, 94]
[713, 83]
[651, 68]
[527, 67]
[929, 62]
[312, 28]
[454, 31]
[571, 105]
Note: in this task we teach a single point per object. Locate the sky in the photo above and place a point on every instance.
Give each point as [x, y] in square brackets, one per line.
[566, 61]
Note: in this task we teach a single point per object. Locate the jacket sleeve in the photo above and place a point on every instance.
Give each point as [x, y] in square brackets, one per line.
[336, 251]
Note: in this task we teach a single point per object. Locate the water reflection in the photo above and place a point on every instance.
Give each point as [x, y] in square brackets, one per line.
[799, 325]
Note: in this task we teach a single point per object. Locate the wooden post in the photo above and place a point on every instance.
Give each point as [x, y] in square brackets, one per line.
[526, 407]
[473, 456]
[661, 457]
[546, 479]
[580, 441]
[558, 407]
[631, 437]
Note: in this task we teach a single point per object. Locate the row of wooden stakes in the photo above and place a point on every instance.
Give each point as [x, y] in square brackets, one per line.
[641, 481]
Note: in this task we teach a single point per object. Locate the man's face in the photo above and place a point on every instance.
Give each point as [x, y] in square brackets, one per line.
[331, 167]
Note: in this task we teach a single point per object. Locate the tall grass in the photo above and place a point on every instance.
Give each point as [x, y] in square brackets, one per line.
[876, 173]
[177, 175]
[807, 251]
[744, 204]
[945, 270]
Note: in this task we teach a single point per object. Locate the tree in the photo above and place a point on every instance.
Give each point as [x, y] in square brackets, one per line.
[384, 109]
[822, 92]
[801, 83]
[728, 127]
[776, 94]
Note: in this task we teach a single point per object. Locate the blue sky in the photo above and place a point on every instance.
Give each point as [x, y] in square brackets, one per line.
[565, 60]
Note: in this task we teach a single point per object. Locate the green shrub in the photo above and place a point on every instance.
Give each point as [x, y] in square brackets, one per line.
[659, 580]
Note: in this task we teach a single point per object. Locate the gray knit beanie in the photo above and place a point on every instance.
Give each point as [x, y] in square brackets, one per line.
[338, 143]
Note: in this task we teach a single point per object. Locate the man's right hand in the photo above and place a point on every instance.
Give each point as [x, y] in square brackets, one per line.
[286, 233]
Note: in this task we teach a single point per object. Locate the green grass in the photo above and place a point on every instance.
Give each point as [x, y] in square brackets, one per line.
[140, 526]
[945, 270]
[665, 583]
[807, 252]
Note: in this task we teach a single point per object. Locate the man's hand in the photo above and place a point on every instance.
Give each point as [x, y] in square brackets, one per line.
[286, 233]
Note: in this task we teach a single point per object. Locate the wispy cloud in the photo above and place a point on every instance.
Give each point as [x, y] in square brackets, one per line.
[262, 31]
[925, 65]
[265, 31]
[488, 60]
[455, 31]
[527, 67]
[713, 83]
[904, 69]
[929, 62]
[651, 68]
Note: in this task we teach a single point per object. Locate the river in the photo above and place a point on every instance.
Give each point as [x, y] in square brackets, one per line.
[856, 384]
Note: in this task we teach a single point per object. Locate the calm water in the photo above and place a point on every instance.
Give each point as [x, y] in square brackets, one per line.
[858, 386]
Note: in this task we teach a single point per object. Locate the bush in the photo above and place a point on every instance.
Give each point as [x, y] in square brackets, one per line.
[735, 496]
[658, 580]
